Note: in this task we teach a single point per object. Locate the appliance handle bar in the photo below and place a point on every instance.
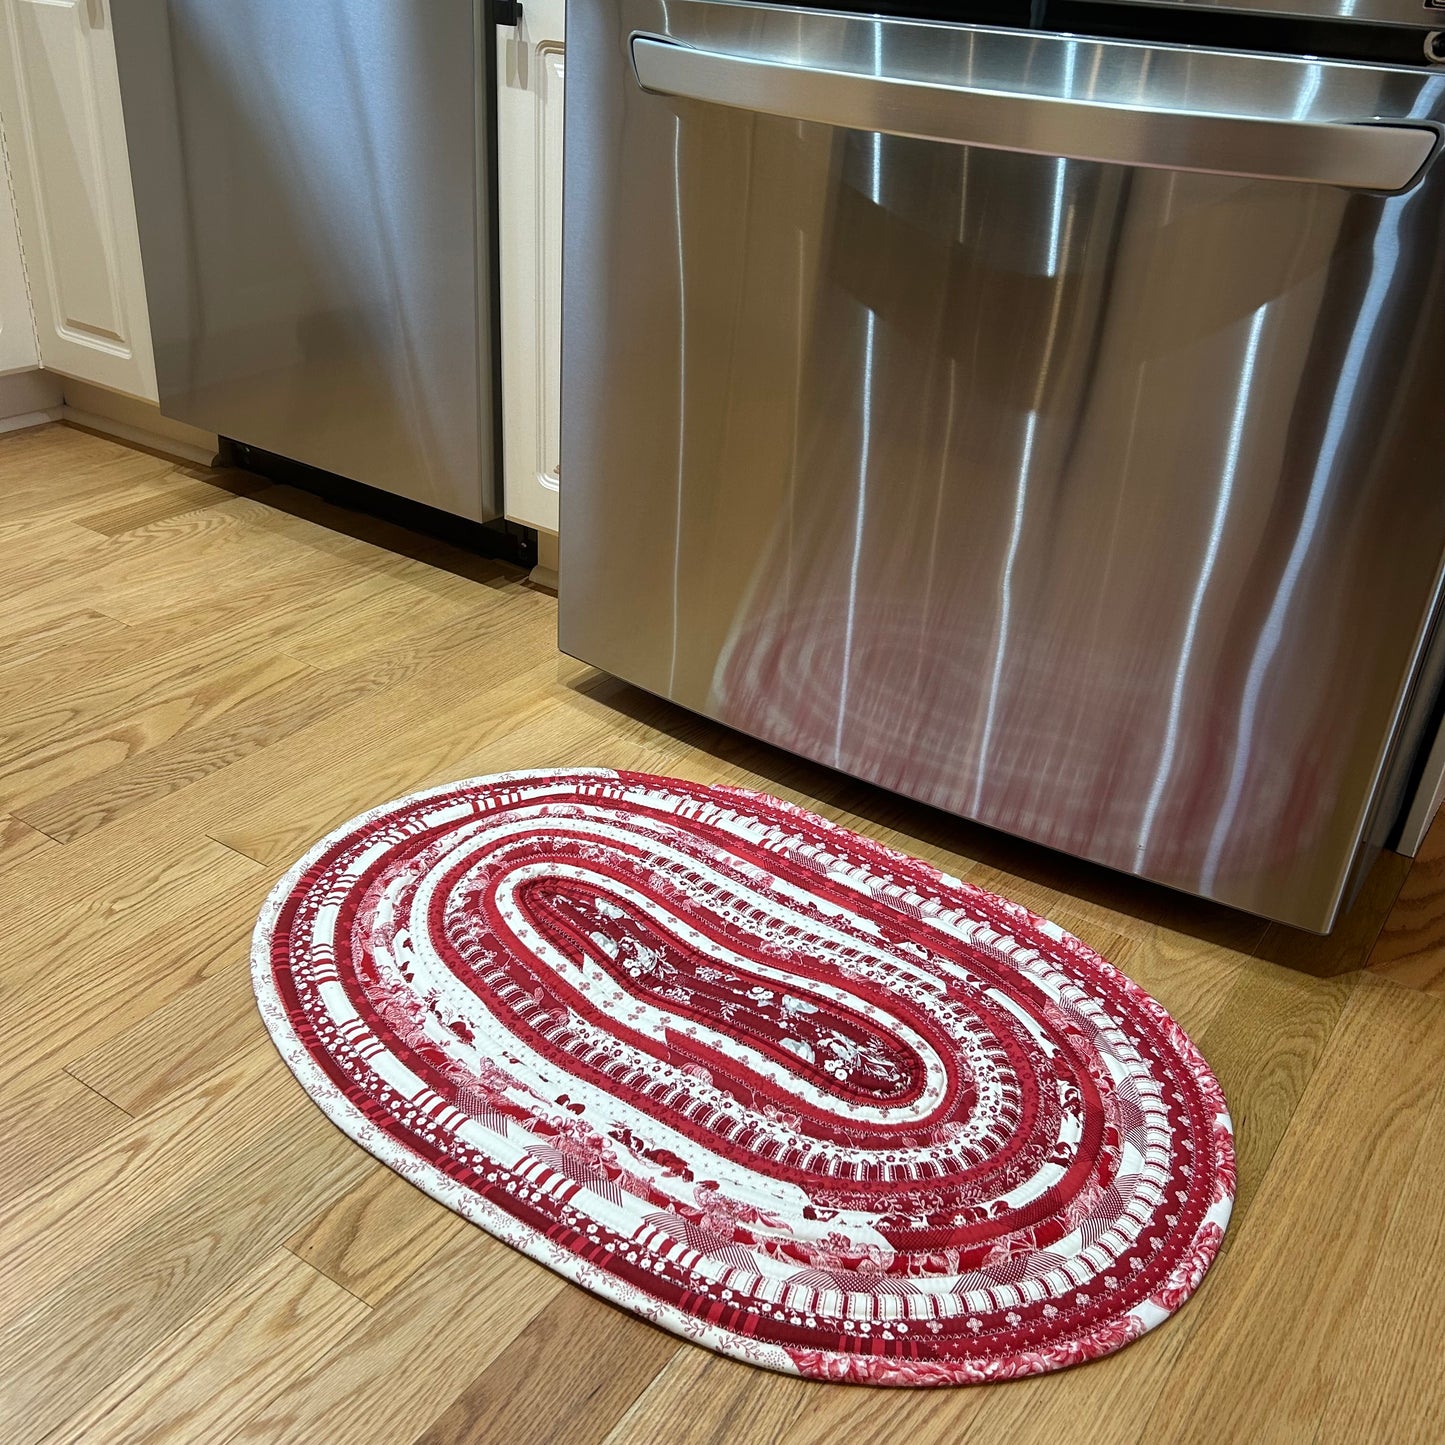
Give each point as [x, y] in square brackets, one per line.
[1360, 155]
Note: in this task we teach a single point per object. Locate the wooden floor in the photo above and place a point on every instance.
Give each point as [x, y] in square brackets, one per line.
[198, 675]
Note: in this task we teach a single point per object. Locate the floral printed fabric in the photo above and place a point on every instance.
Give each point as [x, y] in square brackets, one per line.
[775, 1087]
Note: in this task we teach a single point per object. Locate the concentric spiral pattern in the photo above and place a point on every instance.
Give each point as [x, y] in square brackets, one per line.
[760, 1080]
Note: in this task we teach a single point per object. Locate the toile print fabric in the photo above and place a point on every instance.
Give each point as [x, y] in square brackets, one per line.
[784, 1091]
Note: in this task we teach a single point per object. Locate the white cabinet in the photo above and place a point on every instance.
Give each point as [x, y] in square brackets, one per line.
[17, 327]
[60, 99]
[530, 69]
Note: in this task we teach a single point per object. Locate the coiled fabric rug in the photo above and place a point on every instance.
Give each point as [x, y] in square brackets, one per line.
[791, 1094]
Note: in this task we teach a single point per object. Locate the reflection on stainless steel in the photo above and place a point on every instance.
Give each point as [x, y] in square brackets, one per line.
[1165, 769]
[308, 182]
[1414, 13]
[1370, 157]
[1096, 502]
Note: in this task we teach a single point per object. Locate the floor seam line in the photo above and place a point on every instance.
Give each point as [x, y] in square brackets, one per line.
[99, 1093]
[329, 1278]
[211, 838]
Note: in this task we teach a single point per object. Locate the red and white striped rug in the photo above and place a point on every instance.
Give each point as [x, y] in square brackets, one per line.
[793, 1095]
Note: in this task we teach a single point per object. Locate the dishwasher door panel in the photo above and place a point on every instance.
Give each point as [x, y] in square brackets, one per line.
[1098, 502]
[311, 189]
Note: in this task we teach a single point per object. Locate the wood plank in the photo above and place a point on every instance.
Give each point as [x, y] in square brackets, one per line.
[1397, 1326]
[864, 1416]
[38, 557]
[1264, 1042]
[107, 669]
[453, 726]
[225, 1363]
[195, 488]
[707, 1399]
[289, 605]
[347, 635]
[1191, 977]
[518, 725]
[1410, 948]
[260, 724]
[76, 745]
[200, 557]
[84, 567]
[377, 1235]
[75, 913]
[366, 728]
[391, 595]
[19, 840]
[170, 1249]
[54, 474]
[200, 1030]
[404, 1365]
[1266, 1348]
[574, 1371]
[54, 1229]
[43, 543]
[66, 999]
[47, 1126]
[69, 898]
[25, 642]
[83, 653]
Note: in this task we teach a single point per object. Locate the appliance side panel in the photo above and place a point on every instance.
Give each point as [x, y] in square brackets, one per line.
[1094, 502]
[311, 196]
[591, 512]
[1426, 801]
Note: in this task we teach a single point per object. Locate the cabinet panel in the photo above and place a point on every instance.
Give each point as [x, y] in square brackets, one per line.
[531, 64]
[61, 100]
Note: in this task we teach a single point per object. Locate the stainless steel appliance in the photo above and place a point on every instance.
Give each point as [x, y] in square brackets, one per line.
[1044, 425]
[311, 183]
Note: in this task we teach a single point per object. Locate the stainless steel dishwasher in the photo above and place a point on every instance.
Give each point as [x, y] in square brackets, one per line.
[313, 191]
[1042, 419]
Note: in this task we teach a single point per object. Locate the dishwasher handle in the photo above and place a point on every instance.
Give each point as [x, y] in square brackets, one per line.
[1364, 155]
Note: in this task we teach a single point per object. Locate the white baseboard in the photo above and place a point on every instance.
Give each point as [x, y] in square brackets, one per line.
[30, 418]
[154, 441]
[129, 419]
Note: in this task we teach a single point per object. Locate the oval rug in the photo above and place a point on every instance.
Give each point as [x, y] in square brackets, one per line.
[789, 1093]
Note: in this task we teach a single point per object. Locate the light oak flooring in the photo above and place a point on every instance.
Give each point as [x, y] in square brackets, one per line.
[200, 673]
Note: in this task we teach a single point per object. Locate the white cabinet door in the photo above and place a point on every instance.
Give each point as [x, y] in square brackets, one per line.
[60, 99]
[530, 68]
[18, 351]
